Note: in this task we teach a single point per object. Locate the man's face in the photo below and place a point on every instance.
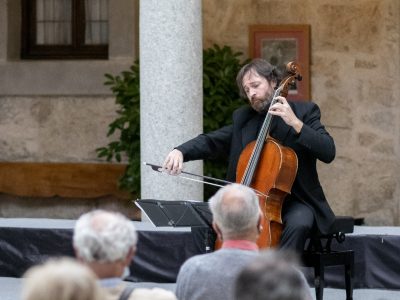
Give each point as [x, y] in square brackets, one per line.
[259, 90]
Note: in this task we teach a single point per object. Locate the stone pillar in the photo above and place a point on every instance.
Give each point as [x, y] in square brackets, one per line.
[171, 103]
[3, 30]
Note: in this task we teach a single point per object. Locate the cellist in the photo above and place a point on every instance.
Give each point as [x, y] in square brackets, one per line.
[296, 125]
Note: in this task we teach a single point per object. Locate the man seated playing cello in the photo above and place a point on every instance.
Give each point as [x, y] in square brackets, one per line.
[295, 125]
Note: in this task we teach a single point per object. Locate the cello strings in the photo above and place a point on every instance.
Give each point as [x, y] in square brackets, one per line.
[252, 164]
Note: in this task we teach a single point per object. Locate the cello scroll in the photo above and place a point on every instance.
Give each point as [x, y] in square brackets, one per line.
[293, 71]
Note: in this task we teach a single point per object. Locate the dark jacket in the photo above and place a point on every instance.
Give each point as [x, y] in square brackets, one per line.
[313, 143]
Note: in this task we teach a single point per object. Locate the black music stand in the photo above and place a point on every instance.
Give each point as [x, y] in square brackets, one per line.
[180, 213]
[176, 213]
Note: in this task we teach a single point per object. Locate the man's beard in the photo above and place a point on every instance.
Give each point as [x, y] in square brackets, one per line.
[262, 105]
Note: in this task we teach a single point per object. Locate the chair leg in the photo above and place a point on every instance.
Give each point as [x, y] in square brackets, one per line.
[319, 280]
[349, 279]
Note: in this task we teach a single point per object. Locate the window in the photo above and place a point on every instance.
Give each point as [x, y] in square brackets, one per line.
[62, 29]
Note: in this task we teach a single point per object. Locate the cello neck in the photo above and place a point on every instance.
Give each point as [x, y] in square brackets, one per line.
[255, 156]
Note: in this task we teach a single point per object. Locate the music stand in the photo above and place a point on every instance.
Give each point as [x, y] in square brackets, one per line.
[176, 213]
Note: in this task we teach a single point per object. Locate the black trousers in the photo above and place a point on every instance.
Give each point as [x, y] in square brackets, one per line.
[298, 222]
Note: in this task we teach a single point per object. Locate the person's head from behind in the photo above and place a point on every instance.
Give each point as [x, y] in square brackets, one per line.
[256, 82]
[273, 275]
[105, 241]
[236, 213]
[61, 279]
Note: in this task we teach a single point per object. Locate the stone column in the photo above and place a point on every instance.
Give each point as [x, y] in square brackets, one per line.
[3, 30]
[171, 103]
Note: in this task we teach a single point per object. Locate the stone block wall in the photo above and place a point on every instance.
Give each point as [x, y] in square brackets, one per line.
[355, 50]
[59, 110]
[54, 129]
[355, 47]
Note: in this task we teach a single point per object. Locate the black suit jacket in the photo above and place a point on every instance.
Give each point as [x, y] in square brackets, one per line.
[313, 143]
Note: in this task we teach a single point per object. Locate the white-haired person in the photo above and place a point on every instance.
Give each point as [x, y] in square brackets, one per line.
[106, 242]
[236, 220]
[61, 279]
[273, 275]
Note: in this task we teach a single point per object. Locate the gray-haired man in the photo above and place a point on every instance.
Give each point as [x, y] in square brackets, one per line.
[236, 219]
[106, 242]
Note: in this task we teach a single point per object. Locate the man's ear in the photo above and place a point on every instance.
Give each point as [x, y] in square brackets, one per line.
[274, 83]
[77, 256]
[130, 255]
[259, 222]
[217, 230]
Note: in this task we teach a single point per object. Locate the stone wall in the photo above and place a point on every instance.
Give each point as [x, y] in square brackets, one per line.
[54, 129]
[59, 110]
[354, 79]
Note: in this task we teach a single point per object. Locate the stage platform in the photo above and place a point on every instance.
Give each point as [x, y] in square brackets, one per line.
[376, 263]
[162, 250]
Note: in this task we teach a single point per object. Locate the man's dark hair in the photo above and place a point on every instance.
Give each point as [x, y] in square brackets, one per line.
[262, 68]
[272, 276]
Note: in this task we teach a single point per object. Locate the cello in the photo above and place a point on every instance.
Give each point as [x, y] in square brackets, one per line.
[270, 168]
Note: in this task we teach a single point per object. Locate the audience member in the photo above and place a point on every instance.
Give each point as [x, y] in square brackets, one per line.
[236, 220]
[272, 276]
[61, 279]
[106, 242]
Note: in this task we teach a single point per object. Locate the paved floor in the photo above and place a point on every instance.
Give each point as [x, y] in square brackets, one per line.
[361, 294]
[10, 290]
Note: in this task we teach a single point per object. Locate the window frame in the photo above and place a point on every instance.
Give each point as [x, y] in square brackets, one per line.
[77, 50]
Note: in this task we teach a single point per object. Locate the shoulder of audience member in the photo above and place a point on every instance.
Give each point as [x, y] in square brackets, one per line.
[196, 259]
[193, 263]
[152, 294]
